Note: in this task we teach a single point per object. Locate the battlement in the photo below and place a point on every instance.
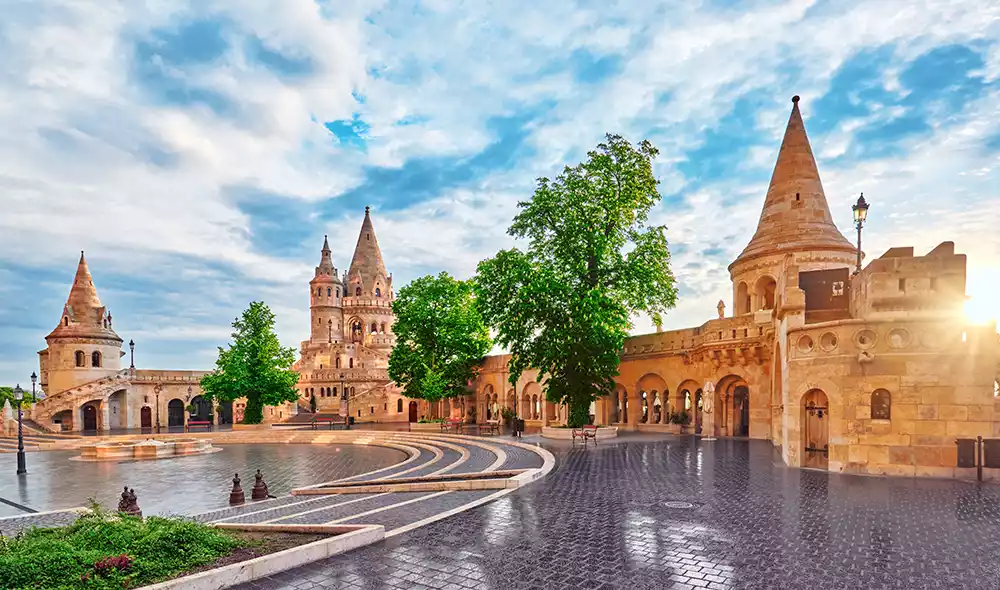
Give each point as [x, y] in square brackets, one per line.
[899, 284]
[376, 302]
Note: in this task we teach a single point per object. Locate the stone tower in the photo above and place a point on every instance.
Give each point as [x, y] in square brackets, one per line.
[83, 347]
[368, 305]
[795, 227]
[326, 292]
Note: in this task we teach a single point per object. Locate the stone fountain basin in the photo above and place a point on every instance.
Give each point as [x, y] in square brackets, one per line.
[145, 449]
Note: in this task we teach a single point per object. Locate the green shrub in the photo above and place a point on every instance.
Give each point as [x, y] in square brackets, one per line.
[127, 551]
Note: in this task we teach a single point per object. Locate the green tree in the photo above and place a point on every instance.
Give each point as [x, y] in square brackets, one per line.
[440, 337]
[7, 394]
[255, 366]
[564, 305]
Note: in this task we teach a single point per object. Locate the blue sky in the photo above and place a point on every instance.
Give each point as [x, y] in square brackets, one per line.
[199, 151]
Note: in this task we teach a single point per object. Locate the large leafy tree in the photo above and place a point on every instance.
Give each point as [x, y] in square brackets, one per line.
[440, 337]
[255, 366]
[564, 304]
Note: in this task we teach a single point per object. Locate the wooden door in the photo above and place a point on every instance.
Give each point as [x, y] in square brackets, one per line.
[413, 411]
[815, 430]
[89, 418]
[146, 417]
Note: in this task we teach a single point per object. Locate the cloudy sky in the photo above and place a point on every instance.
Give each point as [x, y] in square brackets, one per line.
[198, 151]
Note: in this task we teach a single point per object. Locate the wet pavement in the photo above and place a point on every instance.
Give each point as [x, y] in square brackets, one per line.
[182, 485]
[668, 512]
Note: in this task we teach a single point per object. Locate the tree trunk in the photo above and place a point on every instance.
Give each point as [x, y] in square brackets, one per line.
[254, 413]
[579, 413]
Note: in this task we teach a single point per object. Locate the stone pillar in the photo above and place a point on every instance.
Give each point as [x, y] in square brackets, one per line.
[104, 423]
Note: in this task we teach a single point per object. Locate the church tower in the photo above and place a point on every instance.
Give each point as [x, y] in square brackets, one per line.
[368, 305]
[326, 293]
[83, 347]
[795, 226]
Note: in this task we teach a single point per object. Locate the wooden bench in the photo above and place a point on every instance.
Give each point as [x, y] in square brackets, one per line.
[588, 431]
[452, 424]
[490, 427]
[199, 423]
[330, 421]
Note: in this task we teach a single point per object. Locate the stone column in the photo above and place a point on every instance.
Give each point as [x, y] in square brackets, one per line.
[105, 417]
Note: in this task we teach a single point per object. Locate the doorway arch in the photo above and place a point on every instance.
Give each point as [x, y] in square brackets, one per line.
[815, 429]
[175, 413]
[146, 417]
[89, 417]
[413, 411]
[202, 408]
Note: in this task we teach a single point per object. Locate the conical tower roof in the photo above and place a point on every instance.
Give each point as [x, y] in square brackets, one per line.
[326, 270]
[367, 264]
[796, 216]
[84, 314]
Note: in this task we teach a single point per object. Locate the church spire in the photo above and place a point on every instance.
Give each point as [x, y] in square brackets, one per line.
[84, 312]
[83, 294]
[367, 270]
[796, 216]
[326, 268]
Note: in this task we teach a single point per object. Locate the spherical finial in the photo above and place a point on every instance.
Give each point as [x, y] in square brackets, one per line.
[366, 209]
[795, 99]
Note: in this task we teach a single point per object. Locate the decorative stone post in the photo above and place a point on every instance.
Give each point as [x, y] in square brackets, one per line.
[708, 411]
[236, 495]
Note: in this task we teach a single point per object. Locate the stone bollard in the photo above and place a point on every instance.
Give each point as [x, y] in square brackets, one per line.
[129, 503]
[259, 487]
[236, 496]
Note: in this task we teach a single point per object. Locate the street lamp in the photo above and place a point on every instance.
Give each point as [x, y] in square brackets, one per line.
[860, 215]
[131, 350]
[345, 402]
[156, 390]
[34, 379]
[18, 396]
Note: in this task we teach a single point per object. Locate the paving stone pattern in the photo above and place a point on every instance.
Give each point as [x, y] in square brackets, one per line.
[449, 457]
[370, 502]
[479, 459]
[601, 520]
[11, 526]
[433, 505]
[424, 456]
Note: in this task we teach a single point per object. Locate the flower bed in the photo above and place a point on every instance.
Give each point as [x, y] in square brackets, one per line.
[102, 551]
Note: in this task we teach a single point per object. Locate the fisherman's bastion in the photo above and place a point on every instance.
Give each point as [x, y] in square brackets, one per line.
[876, 371]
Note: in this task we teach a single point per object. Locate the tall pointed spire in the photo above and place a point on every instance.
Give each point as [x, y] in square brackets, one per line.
[84, 313]
[367, 267]
[326, 267]
[796, 216]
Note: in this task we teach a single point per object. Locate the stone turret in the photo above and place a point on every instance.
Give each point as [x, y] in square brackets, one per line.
[368, 306]
[84, 346]
[326, 292]
[795, 226]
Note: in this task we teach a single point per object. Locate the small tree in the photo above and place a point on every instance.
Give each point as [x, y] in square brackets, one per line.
[564, 305]
[255, 366]
[312, 403]
[440, 338]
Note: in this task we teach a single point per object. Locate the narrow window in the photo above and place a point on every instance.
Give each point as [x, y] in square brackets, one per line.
[95, 359]
[902, 285]
[338, 291]
[66, 321]
[337, 362]
[399, 405]
[329, 291]
[357, 291]
[80, 358]
[796, 196]
[374, 328]
[350, 363]
[383, 328]
[378, 292]
[334, 391]
[319, 291]
[881, 404]
[368, 236]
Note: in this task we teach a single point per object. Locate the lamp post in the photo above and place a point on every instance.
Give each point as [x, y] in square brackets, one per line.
[34, 379]
[860, 215]
[345, 403]
[156, 390]
[131, 351]
[18, 396]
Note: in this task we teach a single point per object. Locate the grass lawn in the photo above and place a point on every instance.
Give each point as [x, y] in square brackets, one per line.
[102, 550]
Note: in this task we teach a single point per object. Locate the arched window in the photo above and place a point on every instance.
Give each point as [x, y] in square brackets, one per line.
[319, 291]
[881, 404]
[383, 328]
[95, 359]
[329, 291]
[66, 321]
[352, 391]
[378, 292]
[399, 406]
[357, 291]
[374, 328]
[350, 363]
[81, 359]
[337, 362]
[338, 291]
[334, 391]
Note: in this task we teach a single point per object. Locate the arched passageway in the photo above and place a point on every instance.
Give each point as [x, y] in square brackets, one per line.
[175, 413]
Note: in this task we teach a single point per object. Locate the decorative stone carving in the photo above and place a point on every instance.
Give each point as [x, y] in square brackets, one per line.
[899, 337]
[865, 339]
[805, 344]
[829, 341]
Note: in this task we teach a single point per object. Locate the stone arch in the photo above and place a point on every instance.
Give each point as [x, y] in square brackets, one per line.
[742, 304]
[533, 394]
[95, 359]
[764, 292]
[650, 391]
[732, 405]
[175, 412]
[685, 395]
[118, 410]
[815, 432]
[81, 358]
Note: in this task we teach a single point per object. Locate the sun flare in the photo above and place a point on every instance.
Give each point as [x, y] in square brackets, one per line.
[983, 305]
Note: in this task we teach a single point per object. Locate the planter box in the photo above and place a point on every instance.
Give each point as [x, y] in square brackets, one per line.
[603, 432]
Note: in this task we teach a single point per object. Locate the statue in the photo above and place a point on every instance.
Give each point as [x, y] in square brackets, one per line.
[236, 495]
[129, 503]
[707, 407]
[722, 309]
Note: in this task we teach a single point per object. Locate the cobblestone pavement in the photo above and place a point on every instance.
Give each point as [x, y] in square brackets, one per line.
[667, 512]
[184, 485]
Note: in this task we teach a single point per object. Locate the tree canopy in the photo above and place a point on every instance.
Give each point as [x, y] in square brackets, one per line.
[255, 366]
[440, 337]
[564, 305]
